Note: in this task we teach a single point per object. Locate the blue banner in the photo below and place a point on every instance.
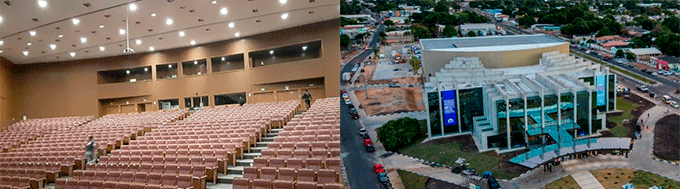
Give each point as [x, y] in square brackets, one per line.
[601, 90]
[449, 107]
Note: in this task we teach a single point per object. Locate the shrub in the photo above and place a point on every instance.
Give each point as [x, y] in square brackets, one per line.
[398, 133]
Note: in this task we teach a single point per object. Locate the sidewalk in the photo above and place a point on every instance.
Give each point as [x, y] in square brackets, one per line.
[586, 180]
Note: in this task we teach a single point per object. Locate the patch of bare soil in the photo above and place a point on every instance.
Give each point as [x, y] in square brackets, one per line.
[667, 138]
[438, 184]
[644, 105]
[368, 70]
[384, 101]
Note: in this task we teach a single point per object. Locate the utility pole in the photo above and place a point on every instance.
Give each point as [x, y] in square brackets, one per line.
[365, 85]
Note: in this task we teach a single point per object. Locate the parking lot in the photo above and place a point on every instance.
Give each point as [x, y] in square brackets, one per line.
[391, 70]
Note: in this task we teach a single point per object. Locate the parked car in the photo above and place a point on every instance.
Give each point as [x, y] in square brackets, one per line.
[353, 112]
[363, 133]
[394, 85]
[652, 94]
[654, 74]
[643, 88]
[619, 61]
[378, 168]
[348, 102]
[630, 65]
[382, 177]
[368, 144]
[345, 96]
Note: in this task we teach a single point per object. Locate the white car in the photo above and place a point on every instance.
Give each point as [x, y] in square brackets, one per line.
[654, 74]
[347, 101]
[345, 95]
[674, 104]
[619, 61]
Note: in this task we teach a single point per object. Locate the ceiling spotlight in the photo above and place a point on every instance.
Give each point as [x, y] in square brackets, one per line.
[181, 33]
[60, 36]
[42, 3]
[0, 18]
[32, 33]
[127, 71]
[237, 34]
[25, 53]
[282, 1]
[1, 51]
[170, 66]
[223, 11]
[195, 62]
[2, 42]
[83, 40]
[152, 49]
[53, 46]
[101, 26]
[138, 42]
[304, 48]
[231, 25]
[75, 21]
[214, 2]
[193, 42]
[29, 44]
[168, 21]
[153, 14]
[102, 48]
[284, 15]
[146, 69]
[222, 58]
[271, 52]
[133, 7]
[121, 31]
[73, 54]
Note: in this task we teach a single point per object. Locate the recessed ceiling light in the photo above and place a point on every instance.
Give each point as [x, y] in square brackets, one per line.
[42, 3]
[127, 71]
[222, 58]
[133, 7]
[60, 36]
[170, 66]
[152, 49]
[181, 33]
[1, 51]
[75, 21]
[284, 15]
[193, 42]
[304, 48]
[271, 52]
[168, 21]
[146, 70]
[32, 33]
[2, 42]
[282, 1]
[102, 48]
[101, 26]
[153, 14]
[231, 25]
[138, 41]
[53, 46]
[237, 34]
[223, 11]
[83, 40]
[214, 2]
[195, 62]
[0, 18]
[29, 44]
[73, 54]
[25, 53]
[121, 31]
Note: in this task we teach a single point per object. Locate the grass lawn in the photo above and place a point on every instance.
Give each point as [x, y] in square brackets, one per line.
[567, 182]
[626, 107]
[615, 178]
[636, 76]
[412, 180]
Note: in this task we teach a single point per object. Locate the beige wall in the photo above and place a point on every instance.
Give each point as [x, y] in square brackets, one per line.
[71, 89]
[6, 92]
[434, 61]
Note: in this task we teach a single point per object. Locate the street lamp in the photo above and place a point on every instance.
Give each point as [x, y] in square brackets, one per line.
[365, 84]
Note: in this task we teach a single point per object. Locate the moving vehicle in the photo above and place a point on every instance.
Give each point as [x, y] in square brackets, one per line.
[394, 85]
[619, 61]
[368, 144]
[666, 99]
[674, 104]
[607, 58]
[630, 65]
[643, 88]
[655, 74]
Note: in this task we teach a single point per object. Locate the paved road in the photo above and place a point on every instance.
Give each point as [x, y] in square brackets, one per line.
[358, 163]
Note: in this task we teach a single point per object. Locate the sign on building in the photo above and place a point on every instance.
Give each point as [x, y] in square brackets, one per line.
[601, 90]
[449, 107]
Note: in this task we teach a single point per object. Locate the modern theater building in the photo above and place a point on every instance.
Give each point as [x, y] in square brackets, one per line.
[516, 92]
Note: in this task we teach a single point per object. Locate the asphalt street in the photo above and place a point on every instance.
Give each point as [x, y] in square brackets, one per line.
[358, 163]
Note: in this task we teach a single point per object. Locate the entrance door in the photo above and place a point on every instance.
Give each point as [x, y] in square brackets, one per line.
[195, 102]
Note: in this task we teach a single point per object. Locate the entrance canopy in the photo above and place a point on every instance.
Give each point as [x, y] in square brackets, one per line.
[533, 158]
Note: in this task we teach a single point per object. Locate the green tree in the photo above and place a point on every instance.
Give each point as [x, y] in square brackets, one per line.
[388, 23]
[376, 50]
[672, 23]
[420, 31]
[471, 34]
[390, 29]
[398, 133]
[345, 21]
[450, 31]
[345, 40]
[619, 53]
[630, 56]
[415, 63]
[441, 7]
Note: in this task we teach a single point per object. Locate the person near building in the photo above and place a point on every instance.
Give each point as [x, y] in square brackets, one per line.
[89, 150]
[307, 98]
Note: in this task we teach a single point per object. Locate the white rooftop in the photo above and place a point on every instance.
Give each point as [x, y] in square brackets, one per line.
[645, 51]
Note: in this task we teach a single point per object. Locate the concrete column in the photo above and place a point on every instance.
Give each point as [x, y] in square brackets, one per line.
[507, 121]
[590, 113]
[458, 108]
[441, 112]
[526, 138]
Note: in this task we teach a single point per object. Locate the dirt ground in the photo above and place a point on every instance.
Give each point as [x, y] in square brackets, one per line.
[438, 184]
[347, 55]
[368, 70]
[644, 106]
[667, 138]
[384, 101]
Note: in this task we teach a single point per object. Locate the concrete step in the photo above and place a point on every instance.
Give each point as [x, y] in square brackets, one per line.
[227, 179]
[235, 170]
[244, 162]
[251, 155]
[210, 185]
[277, 130]
[272, 134]
[267, 139]
[258, 149]
[261, 144]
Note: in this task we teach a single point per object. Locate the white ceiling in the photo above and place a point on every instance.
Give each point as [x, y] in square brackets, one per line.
[17, 23]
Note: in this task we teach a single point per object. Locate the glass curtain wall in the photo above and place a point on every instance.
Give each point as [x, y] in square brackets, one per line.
[534, 118]
[435, 116]
[611, 86]
[501, 139]
[517, 123]
[582, 114]
[471, 105]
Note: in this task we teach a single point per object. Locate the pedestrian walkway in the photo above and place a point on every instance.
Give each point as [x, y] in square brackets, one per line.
[586, 180]
[413, 165]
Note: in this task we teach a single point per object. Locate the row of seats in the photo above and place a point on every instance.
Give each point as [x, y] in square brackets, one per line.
[164, 182]
[25, 130]
[300, 161]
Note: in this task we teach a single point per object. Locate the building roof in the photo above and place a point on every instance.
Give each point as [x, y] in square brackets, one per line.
[614, 43]
[487, 41]
[670, 59]
[611, 37]
[477, 26]
[645, 51]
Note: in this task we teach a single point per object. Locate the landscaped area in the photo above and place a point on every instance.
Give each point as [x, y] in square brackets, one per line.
[412, 180]
[567, 182]
[626, 107]
[615, 178]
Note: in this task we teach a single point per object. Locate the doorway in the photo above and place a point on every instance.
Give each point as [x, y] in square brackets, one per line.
[196, 102]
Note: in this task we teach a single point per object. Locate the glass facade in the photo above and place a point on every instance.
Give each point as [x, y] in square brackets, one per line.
[435, 115]
[582, 113]
[517, 123]
[471, 105]
[611, 86]
[501, 139]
